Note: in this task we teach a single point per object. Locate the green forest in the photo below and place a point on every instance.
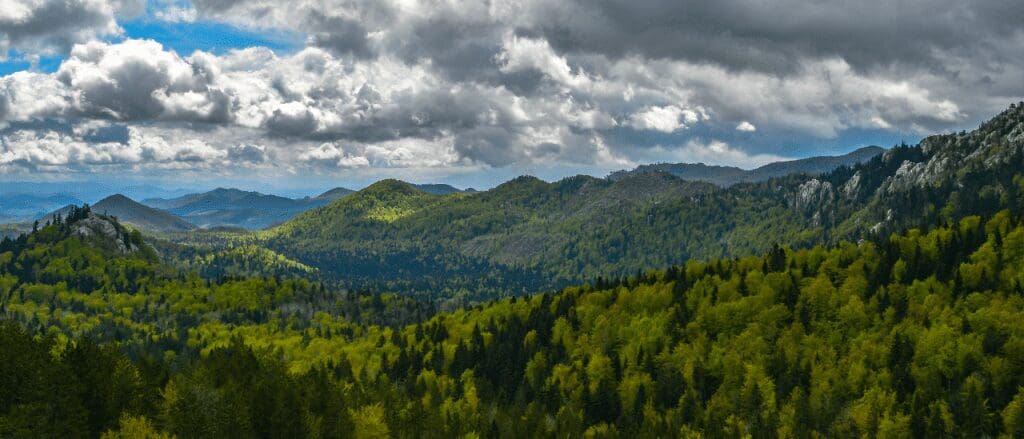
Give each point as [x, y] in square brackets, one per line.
[803, 307]
[917, 335]
[528, 235]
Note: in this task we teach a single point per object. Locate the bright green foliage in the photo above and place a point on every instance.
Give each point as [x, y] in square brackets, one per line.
[915, 335]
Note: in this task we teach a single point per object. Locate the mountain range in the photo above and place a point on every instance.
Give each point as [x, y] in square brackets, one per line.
[886, 303]
[225, 207]
[24, 207]
[730, 175]
[236, 208]
[528, 235]
[131, 212]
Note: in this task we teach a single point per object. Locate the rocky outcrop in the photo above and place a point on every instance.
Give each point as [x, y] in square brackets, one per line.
[812, 194]
[851, 188]
[912, 175]
[105, 231]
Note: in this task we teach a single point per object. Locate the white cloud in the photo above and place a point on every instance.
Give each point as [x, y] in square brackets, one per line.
[176, 14]
[521, 54]
[665, 119]
[444, 84]
[716, 152]
[746, 127]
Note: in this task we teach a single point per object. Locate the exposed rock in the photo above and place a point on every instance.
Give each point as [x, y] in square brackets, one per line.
[104, 230]
[813, 194]
[913, 175]
[851, 188]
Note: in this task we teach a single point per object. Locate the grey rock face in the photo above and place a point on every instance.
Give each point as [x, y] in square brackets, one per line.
[851, 188]
[813, 194]
[103, 229]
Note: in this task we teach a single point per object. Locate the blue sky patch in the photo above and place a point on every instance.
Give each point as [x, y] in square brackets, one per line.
[217, 38]
[183, 38]
[16, 62]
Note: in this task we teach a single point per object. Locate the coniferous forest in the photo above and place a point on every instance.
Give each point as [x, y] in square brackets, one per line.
[882, 300]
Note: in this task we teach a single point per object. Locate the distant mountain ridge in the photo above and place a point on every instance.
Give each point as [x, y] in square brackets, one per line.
[131, 212]
[730, 175]
[224, 207]
[235, 208]
[27, 206]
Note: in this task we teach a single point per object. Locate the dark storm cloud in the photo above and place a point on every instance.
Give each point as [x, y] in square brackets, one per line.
[775, 35]
[5, 106]
[54, 25]
[340, 35]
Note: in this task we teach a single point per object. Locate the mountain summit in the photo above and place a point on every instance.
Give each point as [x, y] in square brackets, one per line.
[136, 214]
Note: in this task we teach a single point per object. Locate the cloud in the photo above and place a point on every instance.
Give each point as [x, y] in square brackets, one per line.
[333, 156]
[248, 153]
[176, 14]
[138, 80]
[715, 152]
[472, 83]
[53, 26]
[772, 36]
[522, 54]
[665, 119]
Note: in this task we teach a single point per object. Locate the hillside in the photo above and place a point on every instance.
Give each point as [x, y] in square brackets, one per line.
[730, 175]
[393, 236]
[138, 215]
[536, 235]
[236, 208]
[912, 334]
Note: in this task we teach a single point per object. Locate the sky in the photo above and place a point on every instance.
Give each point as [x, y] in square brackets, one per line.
[303, 94]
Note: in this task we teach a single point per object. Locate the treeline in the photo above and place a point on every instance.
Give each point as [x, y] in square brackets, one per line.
[914, 335]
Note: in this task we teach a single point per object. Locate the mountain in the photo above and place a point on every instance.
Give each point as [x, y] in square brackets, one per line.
[527, 234]
[729, 175]
[896, 315]
[136, 214]
[16, 207]
[334, 194]
[236, 208]
[392, 230]
[914, 334]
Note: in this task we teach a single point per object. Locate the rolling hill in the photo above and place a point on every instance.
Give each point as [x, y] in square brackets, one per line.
[730, 175]
[528, 234]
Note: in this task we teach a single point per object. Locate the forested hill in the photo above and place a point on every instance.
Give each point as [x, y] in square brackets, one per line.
[912, 335]
[527, 235]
